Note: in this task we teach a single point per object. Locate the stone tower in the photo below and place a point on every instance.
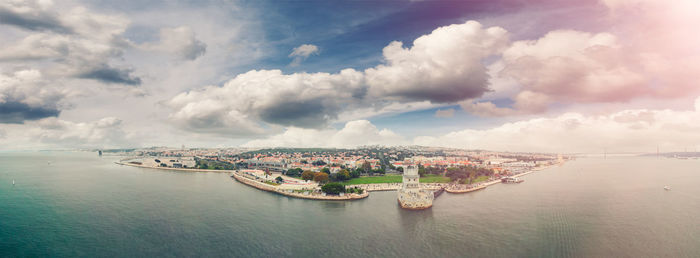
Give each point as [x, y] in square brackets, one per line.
[411, 195]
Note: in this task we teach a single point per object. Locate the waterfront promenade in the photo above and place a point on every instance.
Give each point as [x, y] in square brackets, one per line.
[464, 189]
[176, 169]
[305, 193]
[450, 188]
[396, 186]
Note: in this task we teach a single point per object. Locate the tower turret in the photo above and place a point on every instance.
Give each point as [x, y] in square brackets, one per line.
[410, 177]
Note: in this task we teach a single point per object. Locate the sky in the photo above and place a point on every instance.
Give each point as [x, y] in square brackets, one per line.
[507, 75]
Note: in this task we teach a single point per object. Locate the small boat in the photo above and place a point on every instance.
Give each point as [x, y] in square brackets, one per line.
[667, 188]
[13, 182]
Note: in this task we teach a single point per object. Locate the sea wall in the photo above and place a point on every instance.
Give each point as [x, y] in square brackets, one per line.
[415, 199]
[177, 169]
[271, 188]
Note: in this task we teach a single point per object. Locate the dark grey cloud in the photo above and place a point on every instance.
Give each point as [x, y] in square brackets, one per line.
[113, 75]
[39, 21]
[305, 114]
[17, 112]
[81, 42]
[194, 50]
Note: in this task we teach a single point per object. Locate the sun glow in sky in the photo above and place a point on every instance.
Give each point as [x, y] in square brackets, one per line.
[555, 76]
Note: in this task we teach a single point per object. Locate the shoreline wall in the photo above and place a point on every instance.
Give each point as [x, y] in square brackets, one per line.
[271, 188]
[176, 169]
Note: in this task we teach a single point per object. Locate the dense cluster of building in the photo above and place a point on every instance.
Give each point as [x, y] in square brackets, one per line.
[384, 159]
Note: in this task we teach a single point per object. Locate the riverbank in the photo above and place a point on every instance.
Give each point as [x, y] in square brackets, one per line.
[498, 181]
[396, 186]
[176, 169]
[315, 194]
[312, 194]
[465, 190]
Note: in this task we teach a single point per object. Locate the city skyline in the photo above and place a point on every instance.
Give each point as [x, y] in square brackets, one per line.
[536, 76]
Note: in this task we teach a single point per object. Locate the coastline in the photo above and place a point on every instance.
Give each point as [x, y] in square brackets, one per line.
[395, 186]
[347, 197]
[497, 181]
[176, 169]
[274, 189]
[459, 191]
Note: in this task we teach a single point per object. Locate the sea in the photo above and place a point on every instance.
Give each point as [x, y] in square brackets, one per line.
[77, 204]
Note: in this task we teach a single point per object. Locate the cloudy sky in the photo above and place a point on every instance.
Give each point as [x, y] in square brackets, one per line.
[512, 75]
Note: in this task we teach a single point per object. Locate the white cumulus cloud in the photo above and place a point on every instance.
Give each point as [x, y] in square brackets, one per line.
[244, 103]
[628, 130]
[180, 42]
[444, 66]
[302, 52]
[353, 134]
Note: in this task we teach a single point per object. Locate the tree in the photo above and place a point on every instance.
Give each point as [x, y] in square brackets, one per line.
[294, 172]
[366, 167]
[345, 173]
[279, 179]
[400, 169]
[320, 177]
[456, 174]
[333, 188]
[326, 170]
[307, 175]
[421, 170]
[355, 173]
[342, 175]
[354, 190]
[378, 171]
[335, 177]
[319, 163]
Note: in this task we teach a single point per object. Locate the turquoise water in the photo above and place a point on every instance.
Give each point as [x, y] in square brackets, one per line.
[83, 205]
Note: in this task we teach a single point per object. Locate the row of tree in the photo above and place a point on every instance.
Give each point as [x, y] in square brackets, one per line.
[467, 173]
[331, 182]
[213, 164]
[323, 177]
[342, 175]
[337, 188]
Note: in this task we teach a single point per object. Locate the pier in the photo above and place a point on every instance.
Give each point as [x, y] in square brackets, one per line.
[438, 192]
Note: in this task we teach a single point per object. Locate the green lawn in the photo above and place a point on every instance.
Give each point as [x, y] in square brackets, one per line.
[434, 179]
[480, 179]
[476, 180]
[394, 179]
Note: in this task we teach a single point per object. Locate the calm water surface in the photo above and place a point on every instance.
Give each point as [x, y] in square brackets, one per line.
[83, 205]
